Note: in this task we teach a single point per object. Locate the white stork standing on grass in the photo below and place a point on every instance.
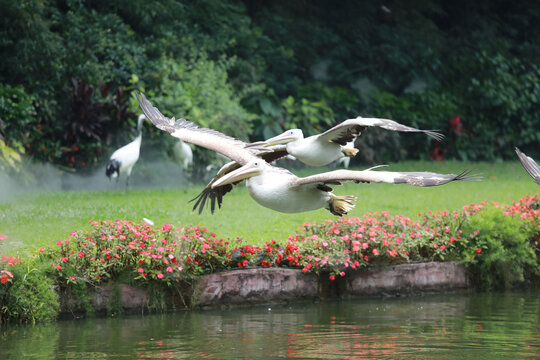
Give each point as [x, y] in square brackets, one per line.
[331, 145]
[123, 159]
[273, 187]
[183, 154]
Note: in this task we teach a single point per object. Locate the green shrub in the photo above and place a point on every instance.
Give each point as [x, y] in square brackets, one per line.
[32, 297]
[499, 252]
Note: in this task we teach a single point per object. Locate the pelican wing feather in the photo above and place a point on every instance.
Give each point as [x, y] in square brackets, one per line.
[187, 131]
[370, 176]
[530, 165]
[215, 195]
[349, 129]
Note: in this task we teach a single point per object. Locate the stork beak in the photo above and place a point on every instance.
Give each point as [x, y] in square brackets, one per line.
[284, 138]
[246, 171]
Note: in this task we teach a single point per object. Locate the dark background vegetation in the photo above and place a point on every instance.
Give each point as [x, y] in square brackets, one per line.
[252, 68]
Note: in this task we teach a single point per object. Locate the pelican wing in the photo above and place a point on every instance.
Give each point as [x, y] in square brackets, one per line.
[370, 176]
[210, 139]
[349, 129]
[215, 195]
[530, 165]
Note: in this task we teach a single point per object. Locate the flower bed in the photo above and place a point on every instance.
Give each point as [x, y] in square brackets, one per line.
[499, 244]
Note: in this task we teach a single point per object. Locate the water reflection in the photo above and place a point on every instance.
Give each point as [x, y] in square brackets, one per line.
[483, 326]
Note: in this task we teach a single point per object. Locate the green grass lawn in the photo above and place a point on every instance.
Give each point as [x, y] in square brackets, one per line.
[35, 220]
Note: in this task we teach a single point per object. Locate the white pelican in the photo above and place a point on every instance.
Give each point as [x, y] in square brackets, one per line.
[183, 154]
[274, 187]
[123, 159]
[322, 149]
[530, 165]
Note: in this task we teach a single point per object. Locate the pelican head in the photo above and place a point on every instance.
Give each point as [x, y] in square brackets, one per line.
[285, 138]
[251, 169]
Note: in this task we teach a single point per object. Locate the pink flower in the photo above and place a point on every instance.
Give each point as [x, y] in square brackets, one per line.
[3, 237]
[442, 247]
[375, 252]
[160, 275]
[342, 274]
[72, 277]
[478, 250]
[73, 234]
[325, 243]
[169, 269]
[58, 267]
[64, 259]
[8, 273]
[141, 270]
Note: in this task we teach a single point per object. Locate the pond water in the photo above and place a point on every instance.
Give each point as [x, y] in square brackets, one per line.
[449, 326]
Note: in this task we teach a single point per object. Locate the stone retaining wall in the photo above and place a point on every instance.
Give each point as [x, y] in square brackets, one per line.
[278, 285]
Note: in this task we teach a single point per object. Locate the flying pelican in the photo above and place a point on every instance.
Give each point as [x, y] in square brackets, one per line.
[183, 154]
[322, 149]
[273, 187]
[530, 165]
[123, 159]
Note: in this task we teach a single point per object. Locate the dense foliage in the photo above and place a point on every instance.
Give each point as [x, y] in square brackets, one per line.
[500, 245]
[252, 68]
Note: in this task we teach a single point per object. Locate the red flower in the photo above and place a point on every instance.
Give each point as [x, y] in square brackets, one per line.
[332, 277]
[3, 278]
[478, 250]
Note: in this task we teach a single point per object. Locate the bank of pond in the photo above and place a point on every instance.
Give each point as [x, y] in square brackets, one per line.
[119, 267]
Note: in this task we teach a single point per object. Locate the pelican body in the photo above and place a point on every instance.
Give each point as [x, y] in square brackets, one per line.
[274, 187]
[124, 158]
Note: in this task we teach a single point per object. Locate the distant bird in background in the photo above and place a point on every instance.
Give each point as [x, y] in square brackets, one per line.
[183, 154]
[123, 159]
[530, 165]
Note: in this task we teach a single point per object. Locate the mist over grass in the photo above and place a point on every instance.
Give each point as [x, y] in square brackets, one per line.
[161, 193]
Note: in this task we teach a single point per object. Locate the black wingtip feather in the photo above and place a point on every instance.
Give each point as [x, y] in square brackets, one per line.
[464, 176]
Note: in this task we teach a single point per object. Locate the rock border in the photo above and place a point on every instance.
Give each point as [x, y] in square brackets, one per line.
[282, 285]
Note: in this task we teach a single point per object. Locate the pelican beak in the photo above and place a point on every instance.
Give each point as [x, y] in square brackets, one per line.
[284, 138]
[246, 171]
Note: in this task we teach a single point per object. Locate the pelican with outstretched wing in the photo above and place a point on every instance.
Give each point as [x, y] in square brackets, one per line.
[530, 165]
[273, 187]
[322, 149]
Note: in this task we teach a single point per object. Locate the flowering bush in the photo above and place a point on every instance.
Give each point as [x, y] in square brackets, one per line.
[504, 246]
